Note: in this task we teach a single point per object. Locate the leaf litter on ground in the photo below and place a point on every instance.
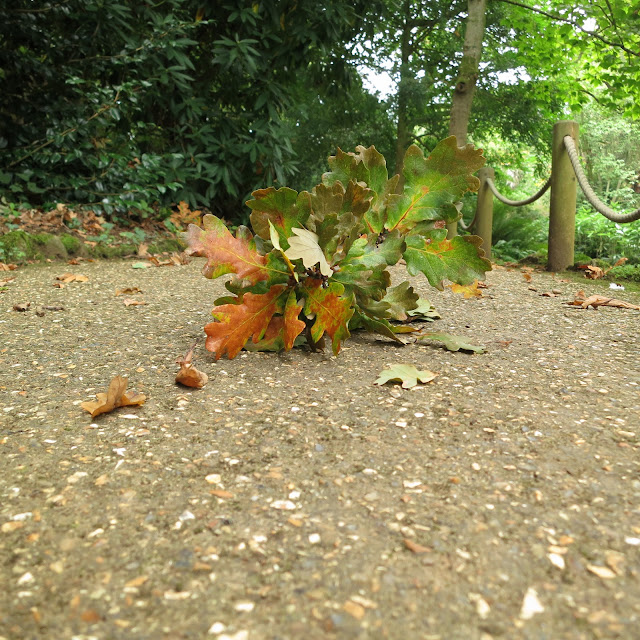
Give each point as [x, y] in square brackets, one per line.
[188, 375]
[595, 301]
[116, 396]
[407, 374]
[451, 342]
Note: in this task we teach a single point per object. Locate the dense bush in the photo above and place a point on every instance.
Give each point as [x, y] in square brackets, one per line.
[122, 105]
[602, 239]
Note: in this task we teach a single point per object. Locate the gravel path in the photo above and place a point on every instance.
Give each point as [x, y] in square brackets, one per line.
[291, 497]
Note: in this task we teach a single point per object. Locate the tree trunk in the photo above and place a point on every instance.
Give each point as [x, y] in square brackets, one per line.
[402, 134]
[467, 77]
[468, 72]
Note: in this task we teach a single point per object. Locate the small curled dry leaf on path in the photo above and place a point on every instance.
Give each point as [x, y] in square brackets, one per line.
[188, 375]
[8, 267]
[131, 302]
[128, 291]
[116, 396]
[595, 301]
[72, 277]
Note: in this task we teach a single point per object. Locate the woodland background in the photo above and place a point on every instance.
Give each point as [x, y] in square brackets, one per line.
[131, 108]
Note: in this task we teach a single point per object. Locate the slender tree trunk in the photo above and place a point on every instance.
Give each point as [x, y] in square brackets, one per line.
[402, 134]
[467, 78]
[468, 72]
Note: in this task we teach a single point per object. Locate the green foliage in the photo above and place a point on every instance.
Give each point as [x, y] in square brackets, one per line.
[625, 272]
[600, 238]
[124, 105]
[610, 154]
[517, 232]
[319, 260]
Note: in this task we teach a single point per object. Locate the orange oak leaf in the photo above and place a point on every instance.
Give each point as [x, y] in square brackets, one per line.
[293, 326]
[116, 396]
[224, 252]
[236, 323]
[188, 375]
[332, 311]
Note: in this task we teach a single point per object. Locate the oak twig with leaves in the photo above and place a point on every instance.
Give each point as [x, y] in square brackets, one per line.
[318, 262]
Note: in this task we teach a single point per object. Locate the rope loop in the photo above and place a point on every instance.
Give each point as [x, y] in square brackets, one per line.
[594, 201]
[518, 203]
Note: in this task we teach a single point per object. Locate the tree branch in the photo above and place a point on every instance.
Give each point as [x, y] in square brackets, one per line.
[574, 24]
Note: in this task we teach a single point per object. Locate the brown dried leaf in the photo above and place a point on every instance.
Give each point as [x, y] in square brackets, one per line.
[143, 250]
[90, 616]
[130, 302]
[596, 301]
[415, 547]
[72, 277]
[592, 272]
[8, 267]
[188, 375]
[527, 276]
[128, 291]
[354, 609]
[21, 306]
[221, 493]
[114, 398]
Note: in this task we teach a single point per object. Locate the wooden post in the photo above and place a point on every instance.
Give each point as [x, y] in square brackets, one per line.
[562, 214]
[484, 211]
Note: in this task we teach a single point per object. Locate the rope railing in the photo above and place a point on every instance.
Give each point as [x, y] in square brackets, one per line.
[566, 175]
[594, 201]
[519, 203]
[512, 203]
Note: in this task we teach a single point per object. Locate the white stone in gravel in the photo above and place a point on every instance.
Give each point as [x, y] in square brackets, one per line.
[556, 560]
[286, 505]
[240, 635]
[26, 578]
[314, 538]
[213, 478]
[482, 608]
[244, 607]
[632, 541]
[216, 628]
[530, 605]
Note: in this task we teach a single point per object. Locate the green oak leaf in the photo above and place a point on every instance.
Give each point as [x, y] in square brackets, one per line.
[368, 251]
[366, 165]
[433, 185]
[363, 281]
[459, 259]
[407, 374]
[361, 320]
[452, 343]
[284, 208]
[402, 299]
[424, 312]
